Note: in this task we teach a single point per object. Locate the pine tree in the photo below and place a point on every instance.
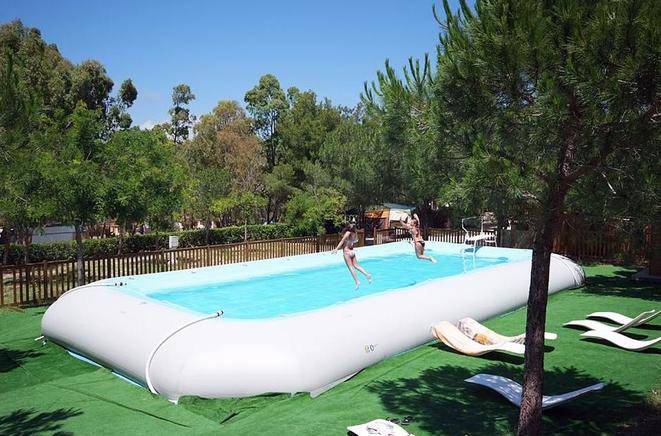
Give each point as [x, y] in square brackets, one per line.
[555, 88]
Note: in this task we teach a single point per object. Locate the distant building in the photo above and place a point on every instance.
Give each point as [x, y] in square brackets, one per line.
[53, 233]
[387, 215]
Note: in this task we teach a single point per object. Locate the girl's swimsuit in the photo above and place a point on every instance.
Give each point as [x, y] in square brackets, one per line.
[348, 247]
[415, 234]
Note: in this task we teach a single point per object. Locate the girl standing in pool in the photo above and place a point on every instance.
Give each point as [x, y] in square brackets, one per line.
[346, 244]
[413, 226]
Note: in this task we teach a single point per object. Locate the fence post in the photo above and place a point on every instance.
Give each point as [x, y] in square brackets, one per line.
[317, 243]
[28, 284]
[45, 279]
[2, 287]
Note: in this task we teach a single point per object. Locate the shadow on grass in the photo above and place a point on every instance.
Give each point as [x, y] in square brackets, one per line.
[621, 285]
[443, 403]
[222, 410]
[23, 422]
[12, 359]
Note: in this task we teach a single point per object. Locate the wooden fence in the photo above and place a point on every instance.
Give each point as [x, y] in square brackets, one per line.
[39, 283]
[383, 236]
[578, 245]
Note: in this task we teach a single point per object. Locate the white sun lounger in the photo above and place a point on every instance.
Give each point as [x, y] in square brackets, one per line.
[625, 320]
[378, 427]
[621, 340]
[451, 336]
[512, 390]
[595, 325]
[484, 335]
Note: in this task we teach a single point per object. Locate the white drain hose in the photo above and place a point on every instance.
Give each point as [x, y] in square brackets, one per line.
[151, 355]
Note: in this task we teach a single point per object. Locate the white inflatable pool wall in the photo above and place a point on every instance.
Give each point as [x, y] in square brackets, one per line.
[177, 352]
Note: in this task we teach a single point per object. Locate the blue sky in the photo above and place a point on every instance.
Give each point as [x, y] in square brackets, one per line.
[221, 49]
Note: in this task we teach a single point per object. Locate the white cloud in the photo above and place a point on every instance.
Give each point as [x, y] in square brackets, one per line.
[149, 124]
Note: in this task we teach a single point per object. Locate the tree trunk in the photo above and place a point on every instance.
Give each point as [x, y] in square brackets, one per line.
[245, 231]
[268, 210]
[120, 245]
[80, 265]
[530, 416]
[7, 244]
[207, 231]
[500, 226]
[23, 237]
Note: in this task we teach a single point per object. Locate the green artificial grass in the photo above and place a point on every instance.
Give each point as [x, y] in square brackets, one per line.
[44, 391]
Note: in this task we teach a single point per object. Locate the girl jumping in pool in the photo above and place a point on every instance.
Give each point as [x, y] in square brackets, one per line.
[413, 226]
[348, 239]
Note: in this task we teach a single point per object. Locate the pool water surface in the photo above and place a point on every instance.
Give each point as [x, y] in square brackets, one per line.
[305, 289]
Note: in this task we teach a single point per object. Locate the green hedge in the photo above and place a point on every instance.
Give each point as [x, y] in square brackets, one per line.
[66, 250]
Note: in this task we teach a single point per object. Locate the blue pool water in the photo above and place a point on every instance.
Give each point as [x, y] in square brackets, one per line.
[306, 289]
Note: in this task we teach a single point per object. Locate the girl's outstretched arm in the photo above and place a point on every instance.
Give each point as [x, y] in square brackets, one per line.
[341, 243]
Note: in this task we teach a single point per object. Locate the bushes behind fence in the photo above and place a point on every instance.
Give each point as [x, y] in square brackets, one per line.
[66, 250]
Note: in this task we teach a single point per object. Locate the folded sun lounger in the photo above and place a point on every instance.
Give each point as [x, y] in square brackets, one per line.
[378, 427]
[621, 340]
[451, 336]
[625, 320]
[512, 390]
[486, 336]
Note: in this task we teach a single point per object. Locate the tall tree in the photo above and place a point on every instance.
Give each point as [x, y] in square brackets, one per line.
[143, 179]
[181, 120]
[266, 102]
[558, 89]
[206, 148]
[315, 210]
[33, 81]
[225, 155]
[57, 118]
[279, 186]
[304, 128]
[351, 154]
[243, 205]
[73, 157]
[414, 161]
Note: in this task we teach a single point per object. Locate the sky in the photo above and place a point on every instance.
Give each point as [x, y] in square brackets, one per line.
[222, 48]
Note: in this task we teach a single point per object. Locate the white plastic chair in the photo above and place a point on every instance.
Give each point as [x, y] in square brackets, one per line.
[482, 237]
[618, 318]
[621, 340]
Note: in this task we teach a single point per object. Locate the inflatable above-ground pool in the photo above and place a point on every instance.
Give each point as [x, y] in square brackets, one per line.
[293, 324]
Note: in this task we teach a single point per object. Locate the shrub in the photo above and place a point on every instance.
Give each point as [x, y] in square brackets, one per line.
[66, 250]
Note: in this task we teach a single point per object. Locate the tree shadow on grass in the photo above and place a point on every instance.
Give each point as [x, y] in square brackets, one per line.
[12, 359]
[23, 422]
[222, 410]
[621, 285]
[443, 403]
